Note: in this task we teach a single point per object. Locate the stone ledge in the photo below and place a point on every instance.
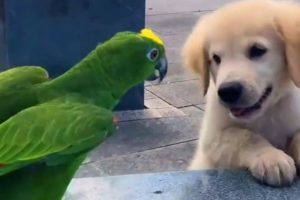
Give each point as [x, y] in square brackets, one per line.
[208, 185]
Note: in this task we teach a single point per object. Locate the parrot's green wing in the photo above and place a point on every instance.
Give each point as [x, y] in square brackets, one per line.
[20, 77]
[51, 133]
[16, 89]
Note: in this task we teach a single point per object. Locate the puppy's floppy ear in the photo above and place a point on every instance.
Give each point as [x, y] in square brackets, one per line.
[194, 55]
[287, 21]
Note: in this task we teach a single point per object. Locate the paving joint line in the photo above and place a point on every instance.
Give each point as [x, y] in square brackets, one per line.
[168, 145]
[164, 83]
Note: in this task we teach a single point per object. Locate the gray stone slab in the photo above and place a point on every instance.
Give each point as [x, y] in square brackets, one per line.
[87, 170]
[193, 111]
[207, 185]
[170, 158]
[157, 7]
[176, 24]
[171, 112]
[179, 94]
[177, 39]
[176, 73]
[156, 103]
[173, 54]
[171, 98]
[142, 135]
[149, 95]
[132, 115]
[155, 111]
[174, 44]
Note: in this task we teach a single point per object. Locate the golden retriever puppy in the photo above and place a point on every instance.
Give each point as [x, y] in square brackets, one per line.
[247, 54]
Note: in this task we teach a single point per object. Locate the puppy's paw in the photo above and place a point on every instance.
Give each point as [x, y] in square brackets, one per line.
[274, 168]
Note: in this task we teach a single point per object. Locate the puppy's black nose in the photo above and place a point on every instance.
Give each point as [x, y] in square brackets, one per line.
[230, 92]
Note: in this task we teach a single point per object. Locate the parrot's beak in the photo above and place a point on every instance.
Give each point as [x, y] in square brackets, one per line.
[161, 70]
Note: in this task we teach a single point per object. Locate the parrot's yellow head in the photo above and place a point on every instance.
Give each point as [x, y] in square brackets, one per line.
[148, 33]
[137, 56]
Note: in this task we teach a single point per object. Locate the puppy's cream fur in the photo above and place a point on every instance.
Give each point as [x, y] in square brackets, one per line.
[268, 143]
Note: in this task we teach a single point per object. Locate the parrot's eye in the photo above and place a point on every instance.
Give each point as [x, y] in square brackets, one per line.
[153, 54]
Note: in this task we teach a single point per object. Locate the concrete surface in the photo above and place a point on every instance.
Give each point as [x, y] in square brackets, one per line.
[210, 185]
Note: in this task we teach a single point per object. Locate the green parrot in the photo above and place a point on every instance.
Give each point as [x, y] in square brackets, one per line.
[47, 127]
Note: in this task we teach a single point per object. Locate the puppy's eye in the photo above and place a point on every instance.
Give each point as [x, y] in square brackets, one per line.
[256, 51]
[217, 59]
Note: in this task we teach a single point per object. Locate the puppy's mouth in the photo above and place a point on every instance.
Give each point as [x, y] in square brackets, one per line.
[247, 111]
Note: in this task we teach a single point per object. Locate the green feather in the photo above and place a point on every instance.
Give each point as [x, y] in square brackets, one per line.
[39, 133]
